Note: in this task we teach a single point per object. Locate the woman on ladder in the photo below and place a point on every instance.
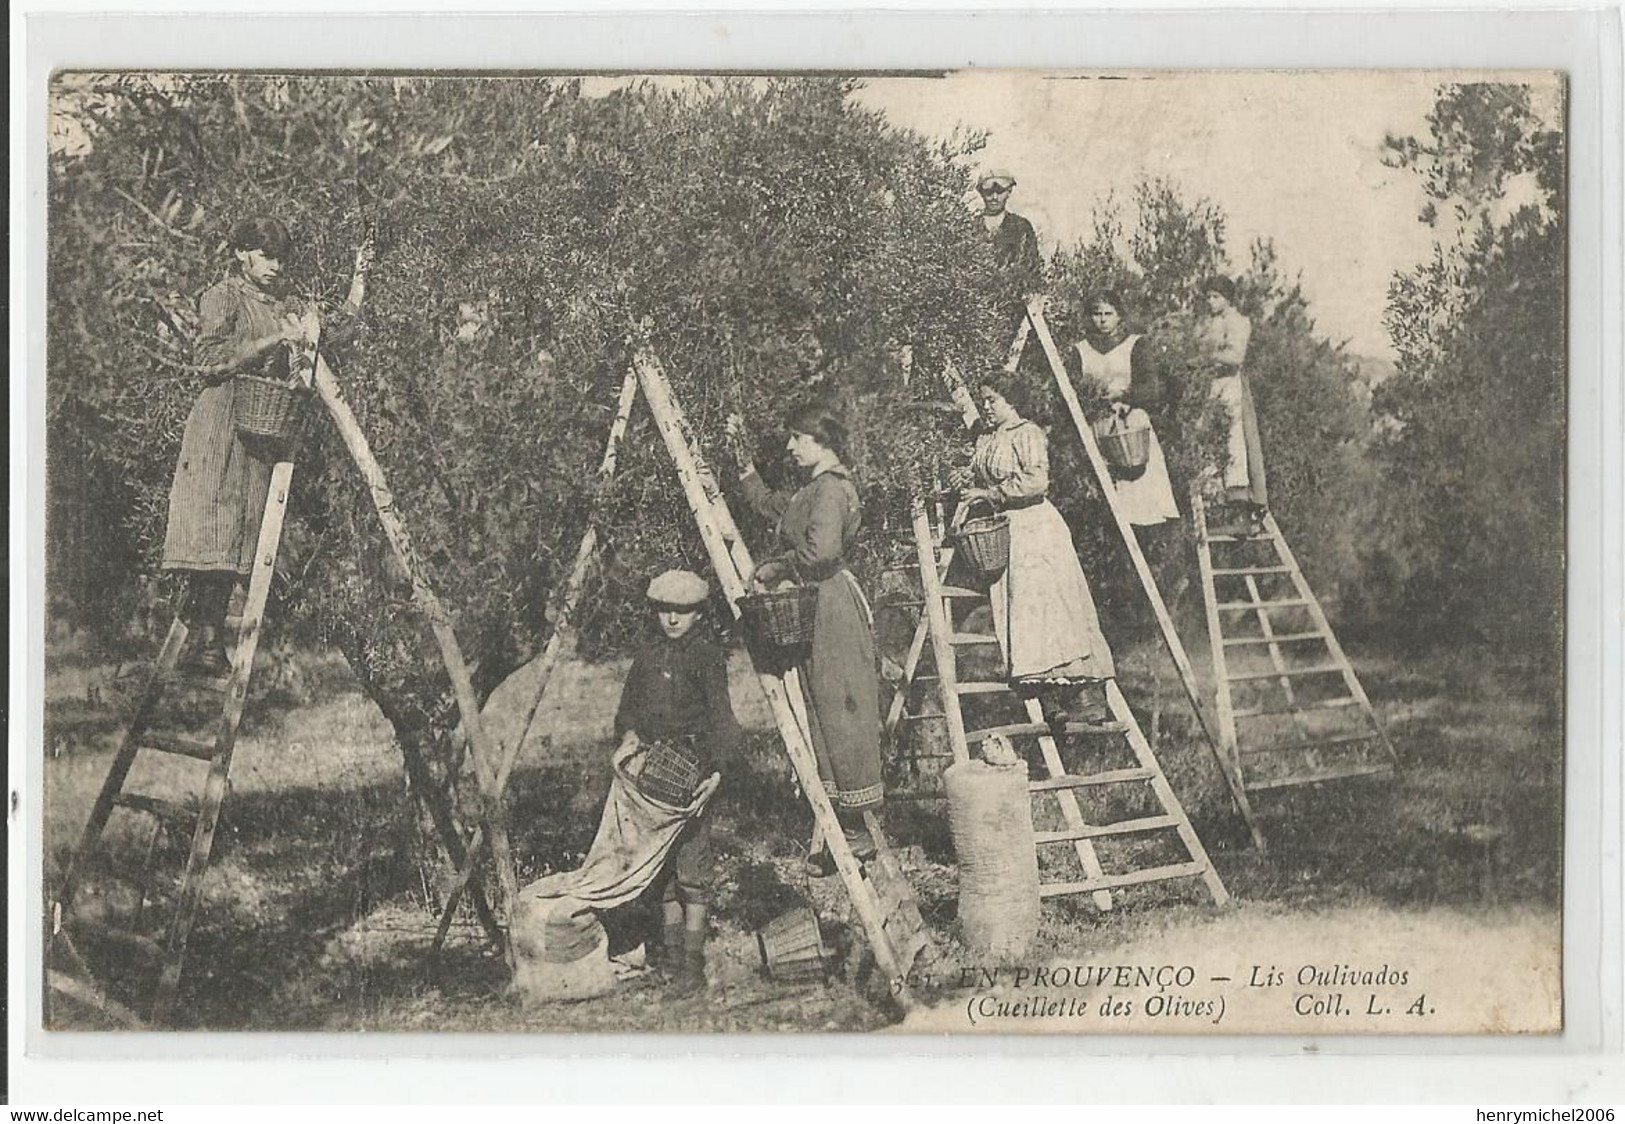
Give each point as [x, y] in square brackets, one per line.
[1123, 368]
[816, 527]
[1043, 612]
[246, 326]
[1226, 334]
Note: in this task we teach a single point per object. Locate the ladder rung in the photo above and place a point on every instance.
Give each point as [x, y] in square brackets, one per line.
[965, 639]
[1239, 571]
[1134, 878]
[112, 934]
[1287, 602]
[961, 592]
[1283, 638]
[1343, 773]
[117, 866]
[1323, 743]
[1067, 780]
[1098, 729]
[1016, 730]
[922, 716]
[166, 810]
[1125, 827]
[1319, 704]
[1285, 672]
[184, 747]
[982, 688]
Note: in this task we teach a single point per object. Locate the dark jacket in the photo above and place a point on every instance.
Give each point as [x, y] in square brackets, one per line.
[1015, 248]
[680, 687]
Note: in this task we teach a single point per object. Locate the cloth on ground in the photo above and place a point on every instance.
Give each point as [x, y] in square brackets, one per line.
[558, 915]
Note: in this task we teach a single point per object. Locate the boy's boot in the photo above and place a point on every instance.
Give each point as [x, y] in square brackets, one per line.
[690, 978]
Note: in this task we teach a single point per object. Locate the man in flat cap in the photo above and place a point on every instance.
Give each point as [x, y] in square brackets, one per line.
[1015, 243]
[677, 692]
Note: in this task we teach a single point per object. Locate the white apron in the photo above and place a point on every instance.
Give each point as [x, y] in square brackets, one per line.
[1149, 498]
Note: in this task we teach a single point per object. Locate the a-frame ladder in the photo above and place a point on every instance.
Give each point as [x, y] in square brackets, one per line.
[1274, 651]
[1134, 780]
[879, 891]
[167, 691]
[169, 953]
[1034, 324]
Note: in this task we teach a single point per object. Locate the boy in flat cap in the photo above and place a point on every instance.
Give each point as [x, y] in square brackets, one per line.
[1015, 242]
[677, 690]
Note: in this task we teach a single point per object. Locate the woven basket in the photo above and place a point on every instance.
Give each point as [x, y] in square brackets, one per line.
[781, 617]
[983, 542]
[670, 773]
[267, 409]
[1127, 450]
[792, 948]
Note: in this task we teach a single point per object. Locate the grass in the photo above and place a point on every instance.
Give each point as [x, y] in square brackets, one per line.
[319, 907]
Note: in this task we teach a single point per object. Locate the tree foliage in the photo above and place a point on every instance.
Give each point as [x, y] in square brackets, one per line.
[1157, 252]
[1475, 417]
[778, 241]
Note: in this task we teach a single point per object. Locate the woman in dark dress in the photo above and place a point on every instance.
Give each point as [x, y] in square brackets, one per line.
[246, 325]
[816, 526]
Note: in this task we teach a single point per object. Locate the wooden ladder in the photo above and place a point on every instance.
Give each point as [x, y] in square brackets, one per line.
[168, 684]
[1034, 324]
[1057, 785]
[169, 689]
[1272, 644]
[879, 891]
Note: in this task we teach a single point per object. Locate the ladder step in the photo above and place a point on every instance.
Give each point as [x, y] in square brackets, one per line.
[118, 867]
[1098, 729]
[1286, 672]
[1125, 827]
[183, 677]
[923, 716]
[983, 688]
[1282, 638]
[1240, 571]
[968, 639]
[1134, 878]
[1067, 780]
[1323, 743]
[184, 747]
[1344, 773]
[112, 934]
[961, 593]
[1287, 602]
[166, 810]
[1016, 730]
[1319, 704]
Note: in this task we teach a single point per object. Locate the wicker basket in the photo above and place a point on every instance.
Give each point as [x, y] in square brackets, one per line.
[781, 617]
[267, 409]
[1125, 449]
[792, 948]
[983, 542]
[670, 773]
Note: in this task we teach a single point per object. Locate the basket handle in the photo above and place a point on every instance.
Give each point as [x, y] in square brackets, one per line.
[964, 511]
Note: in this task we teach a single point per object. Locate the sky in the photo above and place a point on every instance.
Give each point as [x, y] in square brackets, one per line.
[1296, 157]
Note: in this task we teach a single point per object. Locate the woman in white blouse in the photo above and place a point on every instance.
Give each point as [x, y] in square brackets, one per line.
[1226, 334]
[1043, 612]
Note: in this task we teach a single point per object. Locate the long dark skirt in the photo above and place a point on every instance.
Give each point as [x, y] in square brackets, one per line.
[218, 495]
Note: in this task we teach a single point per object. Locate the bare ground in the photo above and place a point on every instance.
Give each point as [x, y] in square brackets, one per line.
[320, 906]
